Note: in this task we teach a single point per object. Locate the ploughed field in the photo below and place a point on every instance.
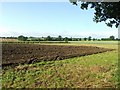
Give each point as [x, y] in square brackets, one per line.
[14, 54]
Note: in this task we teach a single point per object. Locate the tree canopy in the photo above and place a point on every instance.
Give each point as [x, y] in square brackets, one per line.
[109, 12]
[22, 38]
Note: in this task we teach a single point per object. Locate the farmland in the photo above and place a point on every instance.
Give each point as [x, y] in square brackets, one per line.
[8, 40]
[29, 53]
[75, 65]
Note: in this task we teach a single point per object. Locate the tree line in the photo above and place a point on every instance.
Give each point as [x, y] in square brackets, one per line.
[60, 38]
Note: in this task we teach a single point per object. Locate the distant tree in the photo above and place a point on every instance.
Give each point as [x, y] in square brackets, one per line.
[66, 39]
[43, 38]
[49, 38]
[70, 39]
[11, 37]
[85, 39]
[112, 37]
[59, 38]
[105, 39]
[75, 39]
[98, 39]
[40, 39]
[108, 39]
[31, 37]
[117, 39]
[22, 38]
[94, 39]
[80, 39]
[89, 38]
[108, 12]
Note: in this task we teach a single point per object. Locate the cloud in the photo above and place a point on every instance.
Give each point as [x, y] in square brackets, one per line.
[5, 31]
[97, 34]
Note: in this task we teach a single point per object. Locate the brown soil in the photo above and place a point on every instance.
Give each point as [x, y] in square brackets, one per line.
[14, 54]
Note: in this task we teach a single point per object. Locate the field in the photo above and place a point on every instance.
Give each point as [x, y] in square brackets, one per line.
[8, 40]
[14, 54]
[84, 64]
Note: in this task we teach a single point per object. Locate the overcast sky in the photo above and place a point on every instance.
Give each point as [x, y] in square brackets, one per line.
[50, 18]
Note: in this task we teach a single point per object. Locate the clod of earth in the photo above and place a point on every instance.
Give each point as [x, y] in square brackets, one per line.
[14, 54]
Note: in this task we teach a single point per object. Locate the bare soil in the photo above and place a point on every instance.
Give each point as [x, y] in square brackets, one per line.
[14, 54]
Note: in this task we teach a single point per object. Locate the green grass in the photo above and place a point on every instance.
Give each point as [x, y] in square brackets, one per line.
[95, 71]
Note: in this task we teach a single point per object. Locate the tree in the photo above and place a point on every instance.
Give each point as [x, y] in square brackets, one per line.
[80, 39]
[112, 38]
[59, 38]
[109, 12]
[73, 1]
[85, 39]
[49, 38]
[89, 38]
[66, 39]
[105, 39]
[94, 39]
[22, 38]
[70, 39]
[116, 39]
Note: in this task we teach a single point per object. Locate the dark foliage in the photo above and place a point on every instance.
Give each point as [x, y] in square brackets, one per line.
[109, 12]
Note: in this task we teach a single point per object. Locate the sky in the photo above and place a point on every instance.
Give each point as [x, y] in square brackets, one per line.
[50, 18]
